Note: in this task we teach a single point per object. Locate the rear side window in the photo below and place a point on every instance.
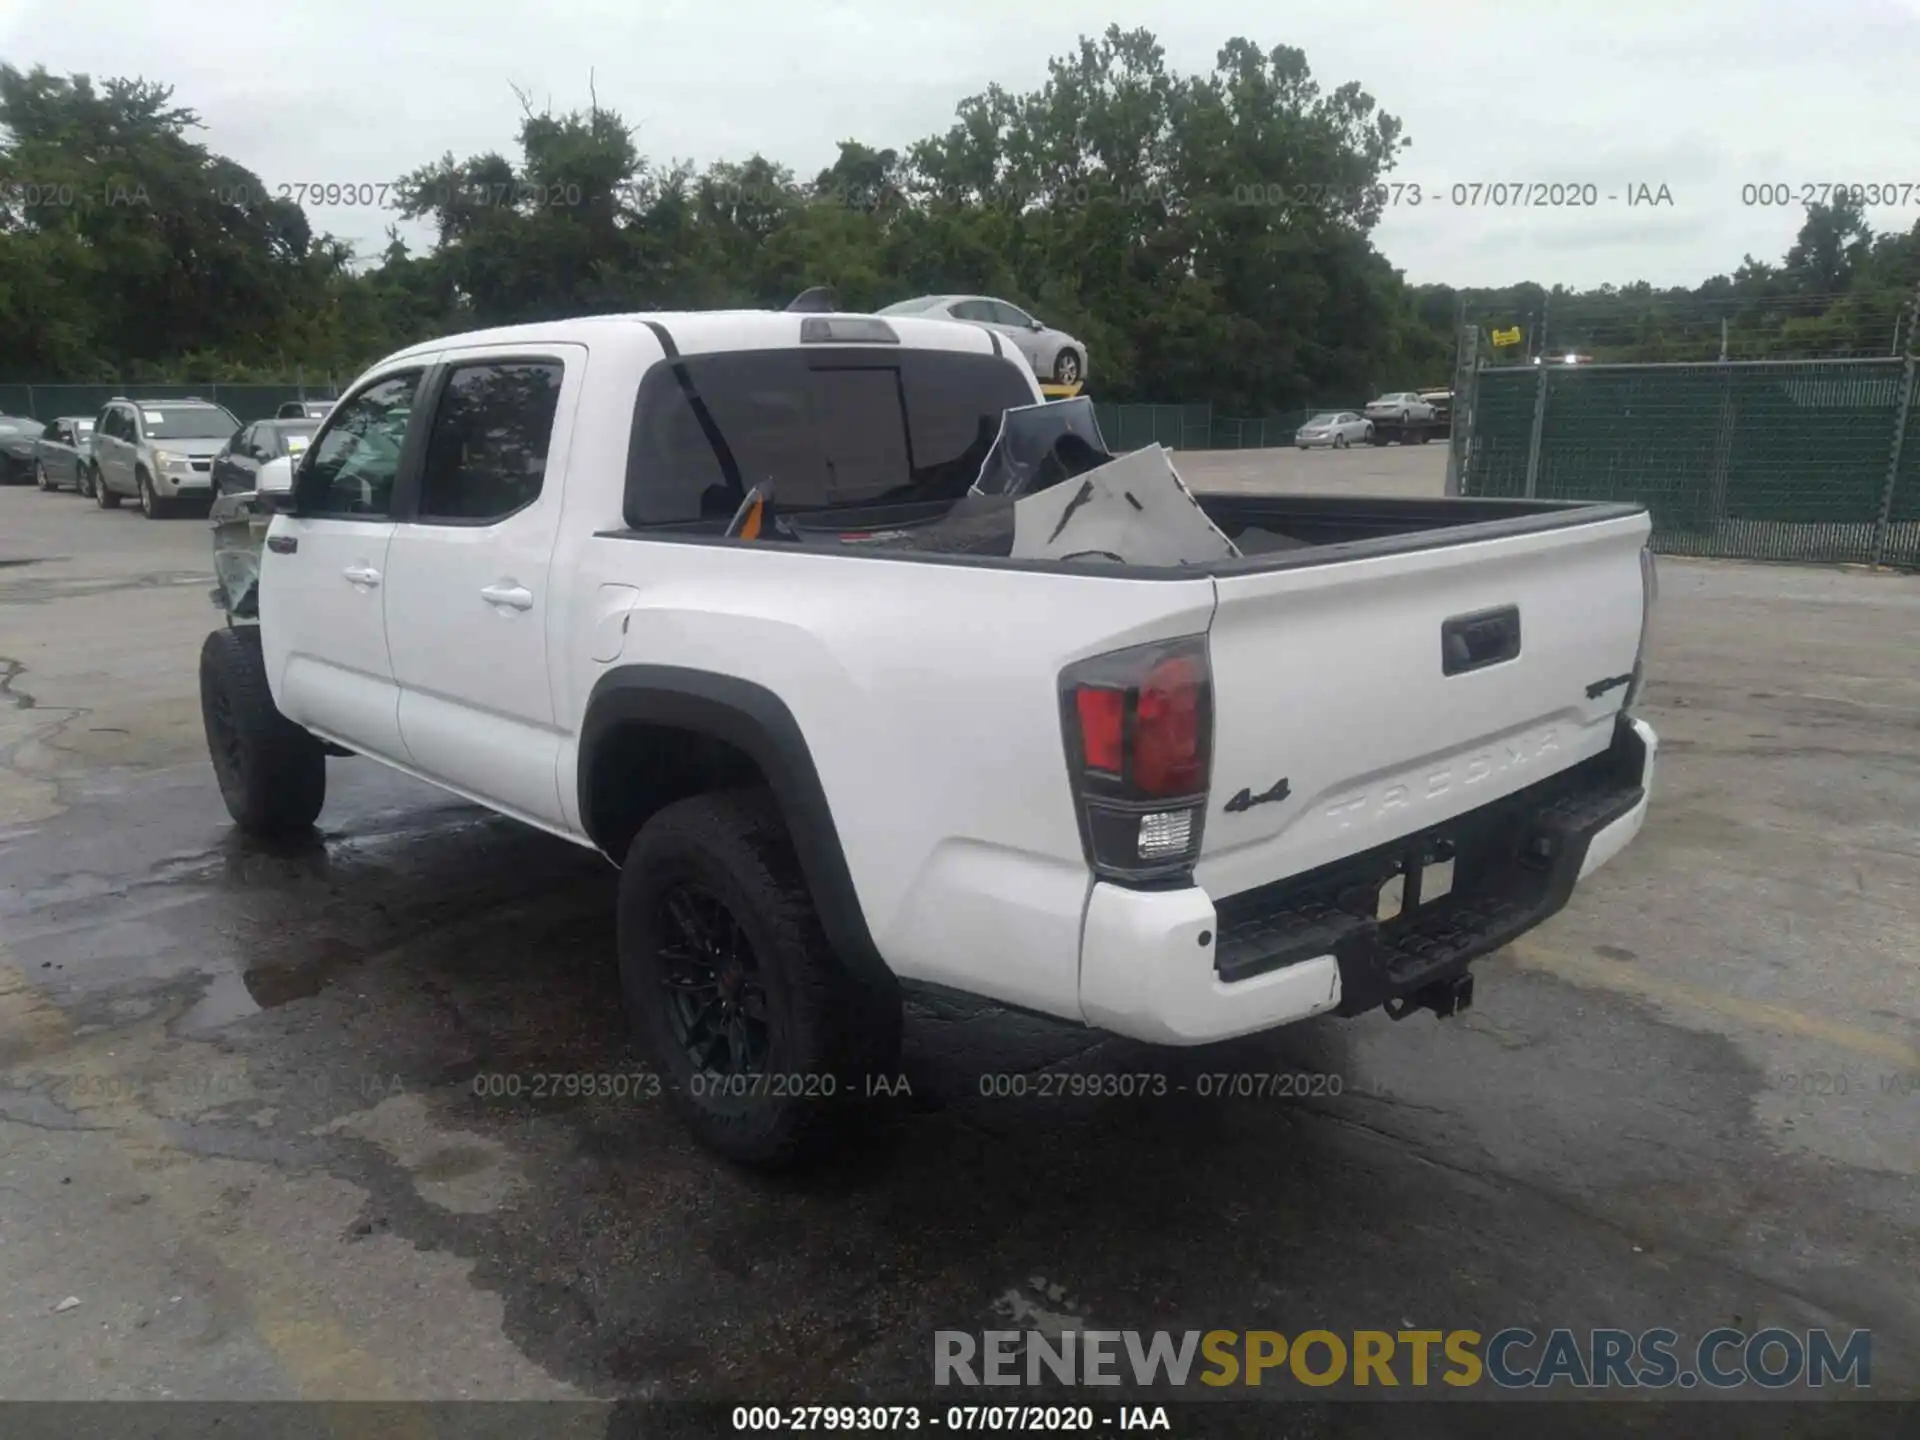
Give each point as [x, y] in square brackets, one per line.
[487, 454]
[850, 427]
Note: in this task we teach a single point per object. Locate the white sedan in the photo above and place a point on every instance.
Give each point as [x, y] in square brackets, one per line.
[1055, 355]
[1400, 405]
[1335, 428]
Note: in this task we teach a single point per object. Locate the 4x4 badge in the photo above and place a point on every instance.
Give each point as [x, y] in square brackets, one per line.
[1246, 799]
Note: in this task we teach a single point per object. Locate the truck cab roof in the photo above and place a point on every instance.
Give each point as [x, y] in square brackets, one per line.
[696, 332]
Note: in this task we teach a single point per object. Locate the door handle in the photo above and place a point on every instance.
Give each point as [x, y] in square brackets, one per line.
[362, 575]
[514, 597]
[1487, 637]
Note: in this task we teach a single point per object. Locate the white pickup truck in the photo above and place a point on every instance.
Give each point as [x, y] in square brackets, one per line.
[1181, 802]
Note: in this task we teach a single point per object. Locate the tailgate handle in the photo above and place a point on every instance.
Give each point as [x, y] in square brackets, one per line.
[1486, 637]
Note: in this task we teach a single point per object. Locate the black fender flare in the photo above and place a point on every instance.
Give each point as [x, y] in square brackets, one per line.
[757, 722]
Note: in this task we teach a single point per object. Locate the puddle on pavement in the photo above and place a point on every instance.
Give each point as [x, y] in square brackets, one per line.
[236, 994]
[281, 982]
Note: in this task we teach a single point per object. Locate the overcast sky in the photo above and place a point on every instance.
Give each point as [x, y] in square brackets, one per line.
[1701, 96]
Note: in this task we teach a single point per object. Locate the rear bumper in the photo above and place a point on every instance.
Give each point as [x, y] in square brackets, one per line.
[1174, 968]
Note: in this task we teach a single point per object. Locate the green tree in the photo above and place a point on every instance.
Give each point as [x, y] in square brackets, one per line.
[145, 245]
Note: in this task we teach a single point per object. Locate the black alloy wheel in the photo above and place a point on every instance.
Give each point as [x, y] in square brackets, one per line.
[716, 1000]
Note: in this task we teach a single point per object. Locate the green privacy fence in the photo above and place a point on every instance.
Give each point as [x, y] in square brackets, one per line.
[247, 402]
[1815, 460]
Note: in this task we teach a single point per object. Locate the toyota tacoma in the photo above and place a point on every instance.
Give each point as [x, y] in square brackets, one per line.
[695, 591]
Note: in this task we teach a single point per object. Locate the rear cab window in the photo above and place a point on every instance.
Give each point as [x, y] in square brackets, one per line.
[852, 428]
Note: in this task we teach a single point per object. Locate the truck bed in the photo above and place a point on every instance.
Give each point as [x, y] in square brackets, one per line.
[1276, 530]
[1273, 531]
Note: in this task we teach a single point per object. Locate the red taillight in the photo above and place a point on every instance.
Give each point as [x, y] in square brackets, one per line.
[1168, 753]
[1102, 724]
[1139, 732]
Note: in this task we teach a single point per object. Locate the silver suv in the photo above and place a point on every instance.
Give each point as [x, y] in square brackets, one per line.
[159, 452]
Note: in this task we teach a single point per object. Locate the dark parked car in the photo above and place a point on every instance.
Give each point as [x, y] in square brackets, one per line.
[303, 410]
[17, 436]
[60, 454]
[239, 461]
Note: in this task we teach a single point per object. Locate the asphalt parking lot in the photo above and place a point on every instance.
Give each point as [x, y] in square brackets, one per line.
[239, 1121]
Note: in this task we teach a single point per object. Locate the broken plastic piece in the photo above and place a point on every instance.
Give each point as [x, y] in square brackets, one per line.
[1042, 445]
[1135, 510]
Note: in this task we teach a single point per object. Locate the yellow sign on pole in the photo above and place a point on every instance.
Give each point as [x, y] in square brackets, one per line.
[1507, 337]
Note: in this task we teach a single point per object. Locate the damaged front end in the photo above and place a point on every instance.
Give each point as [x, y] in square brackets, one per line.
[239, 536]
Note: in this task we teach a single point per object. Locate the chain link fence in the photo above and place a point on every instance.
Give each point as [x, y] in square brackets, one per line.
[1126, 427]
[1196, 427]
[1809, 460]
[248, 402]
[1178, 427]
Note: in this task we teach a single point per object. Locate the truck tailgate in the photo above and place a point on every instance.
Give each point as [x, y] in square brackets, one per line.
[1361, 701]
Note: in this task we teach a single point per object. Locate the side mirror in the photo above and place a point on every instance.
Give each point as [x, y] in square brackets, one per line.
[275, 484]
[1036, 325]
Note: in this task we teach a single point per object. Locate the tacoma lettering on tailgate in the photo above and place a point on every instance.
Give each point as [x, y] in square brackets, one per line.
[1521, 752]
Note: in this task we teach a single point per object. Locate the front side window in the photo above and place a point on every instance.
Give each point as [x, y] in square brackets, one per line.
[487, 451]
[856, 427]
[1007, 314]
[351, 471]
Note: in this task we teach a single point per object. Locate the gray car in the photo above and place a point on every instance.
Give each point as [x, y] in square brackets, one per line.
[1336, 429]
[1054, 355]
[159, 452]
[60, 454]
[17, 436]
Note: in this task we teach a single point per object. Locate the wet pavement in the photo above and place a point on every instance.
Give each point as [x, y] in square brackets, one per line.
[294, 1121]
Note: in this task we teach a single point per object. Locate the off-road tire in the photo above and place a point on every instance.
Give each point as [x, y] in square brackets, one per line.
[828, 1032]
[273, 774]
